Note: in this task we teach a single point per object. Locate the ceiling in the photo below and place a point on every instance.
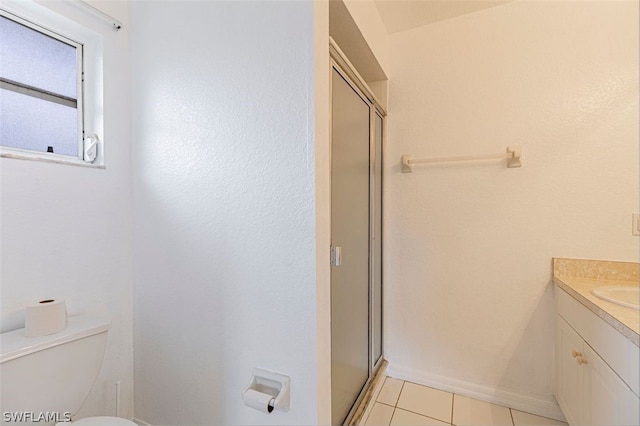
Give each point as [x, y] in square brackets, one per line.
[402, 15]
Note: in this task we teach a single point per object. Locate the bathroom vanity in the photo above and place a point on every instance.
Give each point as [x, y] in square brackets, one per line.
[597, 356]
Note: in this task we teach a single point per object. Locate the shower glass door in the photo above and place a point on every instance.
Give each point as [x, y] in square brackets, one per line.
[350, 226]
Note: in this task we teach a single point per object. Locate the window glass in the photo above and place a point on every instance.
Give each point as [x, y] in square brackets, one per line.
[34, 124]
[39, 75]
[36, 59]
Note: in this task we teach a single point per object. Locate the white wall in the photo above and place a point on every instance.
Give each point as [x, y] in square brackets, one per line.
[224, 239]
[66, 230]
[366, 16]
[323, 209]
[468, 296]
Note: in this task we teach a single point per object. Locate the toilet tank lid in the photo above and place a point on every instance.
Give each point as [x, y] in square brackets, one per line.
[101, 421]
[14, 344]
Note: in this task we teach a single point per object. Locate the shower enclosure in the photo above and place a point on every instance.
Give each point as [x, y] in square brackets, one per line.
[357, 125]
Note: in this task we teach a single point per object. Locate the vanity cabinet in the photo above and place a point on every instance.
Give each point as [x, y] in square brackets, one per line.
[607, 399]
[568, 372]
[595, 370]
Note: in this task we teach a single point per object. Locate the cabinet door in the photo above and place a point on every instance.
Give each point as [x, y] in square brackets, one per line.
[607, 399]
[568, 371]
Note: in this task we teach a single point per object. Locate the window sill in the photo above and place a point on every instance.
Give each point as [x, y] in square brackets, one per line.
[45, 159]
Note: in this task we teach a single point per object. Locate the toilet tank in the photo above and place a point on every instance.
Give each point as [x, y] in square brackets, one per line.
[54, 373]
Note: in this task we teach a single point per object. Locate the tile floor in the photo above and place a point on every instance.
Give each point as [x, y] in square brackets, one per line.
[408, 404]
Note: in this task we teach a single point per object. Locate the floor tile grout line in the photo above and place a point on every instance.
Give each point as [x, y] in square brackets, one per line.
[453, 395]
[381, 403]
[375, 401]
[383, 385]
[420, 414]
[426, 386]
[384, 403]
[392, 414]
[453, 401]
[400, 393]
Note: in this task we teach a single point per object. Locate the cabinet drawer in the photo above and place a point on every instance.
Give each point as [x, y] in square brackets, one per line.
[620, 353]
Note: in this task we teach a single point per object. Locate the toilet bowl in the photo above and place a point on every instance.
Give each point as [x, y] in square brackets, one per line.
[52, 375]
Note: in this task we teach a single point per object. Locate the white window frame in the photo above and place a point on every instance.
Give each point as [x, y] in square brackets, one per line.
[89, 79]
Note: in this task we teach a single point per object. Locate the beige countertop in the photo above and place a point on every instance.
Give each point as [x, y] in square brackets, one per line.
[578, 277]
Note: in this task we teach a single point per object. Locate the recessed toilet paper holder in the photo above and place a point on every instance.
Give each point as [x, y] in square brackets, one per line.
[266, 383]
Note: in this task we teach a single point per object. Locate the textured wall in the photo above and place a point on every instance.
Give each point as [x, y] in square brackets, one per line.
[323, 209]
[468, 298]
[66, 230]
[365, 15]
[224, 247]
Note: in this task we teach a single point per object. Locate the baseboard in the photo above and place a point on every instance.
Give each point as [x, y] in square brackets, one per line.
[535, 405]
[141, 422]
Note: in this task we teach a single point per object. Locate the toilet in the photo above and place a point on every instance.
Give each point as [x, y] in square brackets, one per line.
[48, 376]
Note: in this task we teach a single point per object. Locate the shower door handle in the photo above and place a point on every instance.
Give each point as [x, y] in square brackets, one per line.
[336, 256]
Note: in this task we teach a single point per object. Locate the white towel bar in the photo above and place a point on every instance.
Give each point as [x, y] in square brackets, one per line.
[513, 156]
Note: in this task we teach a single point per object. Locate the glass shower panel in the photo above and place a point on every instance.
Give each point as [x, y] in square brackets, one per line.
[350, 170]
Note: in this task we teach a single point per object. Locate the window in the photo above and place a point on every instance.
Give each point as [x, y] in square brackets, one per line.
[41, 91]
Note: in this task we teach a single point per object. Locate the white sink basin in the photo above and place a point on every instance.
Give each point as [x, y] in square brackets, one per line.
[624, 296]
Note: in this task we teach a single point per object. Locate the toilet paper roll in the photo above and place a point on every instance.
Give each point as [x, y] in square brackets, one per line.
[258, 400]
[45, 317]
